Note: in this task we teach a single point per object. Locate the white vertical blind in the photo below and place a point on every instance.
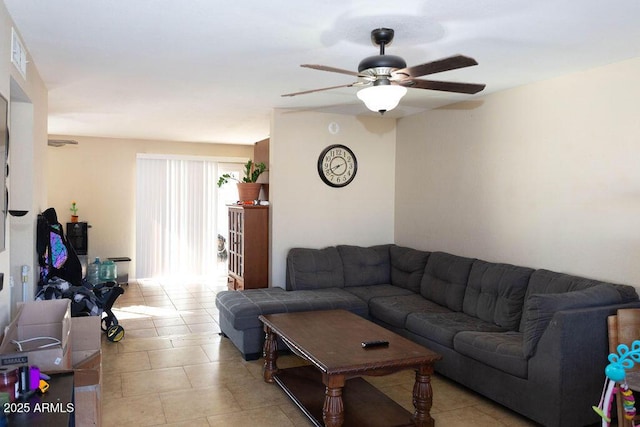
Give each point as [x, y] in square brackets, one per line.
[176, 218]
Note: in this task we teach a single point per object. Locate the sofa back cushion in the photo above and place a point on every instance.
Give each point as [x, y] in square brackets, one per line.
[445, 279]
[407, 267]
[549, 282]
[314, 269]
[540, 308]
[365, 265]
[495, 293]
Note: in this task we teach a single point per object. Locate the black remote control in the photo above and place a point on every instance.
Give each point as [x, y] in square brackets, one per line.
[374, 344]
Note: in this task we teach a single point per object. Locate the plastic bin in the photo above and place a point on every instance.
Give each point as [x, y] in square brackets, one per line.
[123, 269]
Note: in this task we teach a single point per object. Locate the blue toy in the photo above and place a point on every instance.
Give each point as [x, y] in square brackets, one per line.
[615, 372]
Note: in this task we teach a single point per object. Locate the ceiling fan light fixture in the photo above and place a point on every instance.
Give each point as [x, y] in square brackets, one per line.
[382, 98]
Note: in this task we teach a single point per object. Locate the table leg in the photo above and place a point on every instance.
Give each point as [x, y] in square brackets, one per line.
[423, 397]
[270, 353]
[333, 409]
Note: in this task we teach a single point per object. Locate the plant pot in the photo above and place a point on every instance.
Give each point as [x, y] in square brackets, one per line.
[74, 218]
[248, 191]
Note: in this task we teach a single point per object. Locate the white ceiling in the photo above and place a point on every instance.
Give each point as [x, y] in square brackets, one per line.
[212, 71]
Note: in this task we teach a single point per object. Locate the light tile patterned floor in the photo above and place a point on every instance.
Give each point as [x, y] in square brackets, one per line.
[172, 368]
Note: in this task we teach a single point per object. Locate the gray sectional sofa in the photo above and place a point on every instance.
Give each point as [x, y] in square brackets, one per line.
[532, 340]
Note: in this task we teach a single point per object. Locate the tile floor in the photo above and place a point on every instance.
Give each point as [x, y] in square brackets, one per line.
[172, 368]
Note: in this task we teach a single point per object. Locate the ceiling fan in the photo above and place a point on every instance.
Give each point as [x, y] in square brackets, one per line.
[385, 78]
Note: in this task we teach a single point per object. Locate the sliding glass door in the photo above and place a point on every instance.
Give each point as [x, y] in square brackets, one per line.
[180, 214]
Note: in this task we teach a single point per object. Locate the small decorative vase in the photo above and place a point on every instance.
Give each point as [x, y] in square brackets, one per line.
[248, 191]
[74, 218]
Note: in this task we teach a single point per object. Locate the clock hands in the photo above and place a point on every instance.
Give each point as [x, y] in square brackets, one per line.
[331, 169]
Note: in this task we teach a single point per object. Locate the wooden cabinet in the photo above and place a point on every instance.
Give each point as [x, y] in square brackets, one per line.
[248, 247]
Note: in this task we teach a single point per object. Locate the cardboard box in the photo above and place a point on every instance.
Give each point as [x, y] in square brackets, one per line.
[88, 389]
[47, 321]
[86, 336]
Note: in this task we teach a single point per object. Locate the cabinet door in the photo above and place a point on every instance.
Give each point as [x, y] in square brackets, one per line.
[249, 247]
[236, 241]
[256, 248]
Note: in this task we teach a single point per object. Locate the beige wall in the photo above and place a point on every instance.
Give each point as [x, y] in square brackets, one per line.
[28, 129]
[305, 212]
[546, 175]
[99, 174]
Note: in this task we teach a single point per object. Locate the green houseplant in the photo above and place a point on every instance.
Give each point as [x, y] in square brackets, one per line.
[74, 211]
[248, 188]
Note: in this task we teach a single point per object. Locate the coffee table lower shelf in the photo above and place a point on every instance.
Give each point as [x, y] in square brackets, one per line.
[363, 403]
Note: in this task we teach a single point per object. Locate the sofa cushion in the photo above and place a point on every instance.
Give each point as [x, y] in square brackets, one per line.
[443, 327]
[242, 308]
[500, 350]
[540, 308]
[407, 267]
[495, 293]
[549, 282]
[445, 279]
[395, 309]
[366, 293]
[365, 266]
[314, 268]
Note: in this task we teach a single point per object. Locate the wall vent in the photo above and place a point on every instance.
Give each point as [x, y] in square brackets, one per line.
[61, 142]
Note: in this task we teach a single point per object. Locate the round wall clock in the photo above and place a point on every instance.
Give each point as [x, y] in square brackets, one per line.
[337, 165]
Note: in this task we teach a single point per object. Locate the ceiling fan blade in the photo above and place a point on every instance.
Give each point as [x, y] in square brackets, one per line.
[318, 90]
[330, 69]
[445, 64]
[469, 88]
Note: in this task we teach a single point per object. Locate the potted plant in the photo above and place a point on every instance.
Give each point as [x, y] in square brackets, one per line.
[248, 188]
[74, 211]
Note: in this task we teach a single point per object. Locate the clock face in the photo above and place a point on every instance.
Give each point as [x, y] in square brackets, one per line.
[337, 165]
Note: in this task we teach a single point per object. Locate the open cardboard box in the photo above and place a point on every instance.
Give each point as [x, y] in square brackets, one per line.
[52, 318]
[46, 321]
[87, 365]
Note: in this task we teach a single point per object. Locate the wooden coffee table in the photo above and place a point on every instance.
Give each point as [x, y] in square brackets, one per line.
[330, 390]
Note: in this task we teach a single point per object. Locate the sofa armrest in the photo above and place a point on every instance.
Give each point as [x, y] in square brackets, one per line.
[572, 354]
